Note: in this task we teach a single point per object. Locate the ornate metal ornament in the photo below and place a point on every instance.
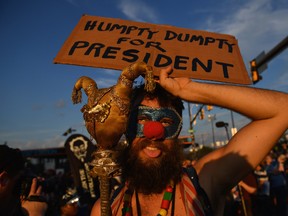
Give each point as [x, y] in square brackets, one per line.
[106, 115]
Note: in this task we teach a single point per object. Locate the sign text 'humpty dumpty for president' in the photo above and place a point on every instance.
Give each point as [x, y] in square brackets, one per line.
[115, 43]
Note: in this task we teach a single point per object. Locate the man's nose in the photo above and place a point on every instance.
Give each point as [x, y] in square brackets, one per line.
[154, 130]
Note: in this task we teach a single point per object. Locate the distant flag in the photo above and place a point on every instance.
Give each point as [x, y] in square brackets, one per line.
[70, 130]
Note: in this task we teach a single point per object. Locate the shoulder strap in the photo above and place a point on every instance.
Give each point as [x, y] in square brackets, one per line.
[203, 198]
[116, 199]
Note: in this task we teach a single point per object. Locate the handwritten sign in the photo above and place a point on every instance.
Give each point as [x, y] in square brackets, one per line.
[115, 43]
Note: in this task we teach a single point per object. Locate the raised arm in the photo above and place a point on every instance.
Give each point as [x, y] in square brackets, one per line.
[267, 110]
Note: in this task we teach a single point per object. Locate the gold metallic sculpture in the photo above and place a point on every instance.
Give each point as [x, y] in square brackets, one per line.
[106, 115]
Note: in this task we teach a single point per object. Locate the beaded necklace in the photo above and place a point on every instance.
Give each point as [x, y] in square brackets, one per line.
[165, 204]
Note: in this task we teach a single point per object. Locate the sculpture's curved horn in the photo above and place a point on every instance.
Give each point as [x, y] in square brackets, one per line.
[130, 73]
[87, 84]
[76, 95]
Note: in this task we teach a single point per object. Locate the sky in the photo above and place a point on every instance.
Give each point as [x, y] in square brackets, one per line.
[35, 94]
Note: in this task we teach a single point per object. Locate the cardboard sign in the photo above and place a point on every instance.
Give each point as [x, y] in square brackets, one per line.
[115, 43]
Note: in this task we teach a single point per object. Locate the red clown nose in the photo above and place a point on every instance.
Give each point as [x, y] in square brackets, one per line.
[153, 130]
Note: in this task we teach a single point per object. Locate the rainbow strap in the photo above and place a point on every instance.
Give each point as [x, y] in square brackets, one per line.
[165, 204]
[127, 208]
[167, 197]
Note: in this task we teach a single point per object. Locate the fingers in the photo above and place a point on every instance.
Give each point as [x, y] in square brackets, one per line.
[39, 190]
[164, 73]
[35, 189]
[35, 194]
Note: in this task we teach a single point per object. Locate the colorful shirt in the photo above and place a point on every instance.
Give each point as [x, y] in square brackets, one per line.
[194, 198]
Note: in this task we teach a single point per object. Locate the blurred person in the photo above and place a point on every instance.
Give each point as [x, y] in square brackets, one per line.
[278, 185]
[284, 148]
[233, 203]
[248, 187]
[155, 182]
[11, 178]
[243, 196]
[262, 201]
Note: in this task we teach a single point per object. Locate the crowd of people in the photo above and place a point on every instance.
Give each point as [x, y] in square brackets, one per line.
[24, 191]
[154, 181]
[264, 192]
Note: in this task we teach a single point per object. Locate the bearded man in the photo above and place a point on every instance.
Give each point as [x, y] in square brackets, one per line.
[156, 183]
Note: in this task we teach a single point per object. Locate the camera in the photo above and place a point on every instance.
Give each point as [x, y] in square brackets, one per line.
[26, 182]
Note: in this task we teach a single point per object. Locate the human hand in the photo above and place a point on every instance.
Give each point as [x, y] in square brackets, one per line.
[241, 183]
[35, 204]
[175, 86]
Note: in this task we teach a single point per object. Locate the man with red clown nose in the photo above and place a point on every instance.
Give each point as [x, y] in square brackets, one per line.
[155, 181]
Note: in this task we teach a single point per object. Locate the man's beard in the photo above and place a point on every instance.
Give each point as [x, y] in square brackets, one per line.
[152, 175]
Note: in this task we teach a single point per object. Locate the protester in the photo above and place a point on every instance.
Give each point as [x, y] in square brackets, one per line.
[12, 176]
[278, 185]
[249, 189]
[152, 167]
[262, 201]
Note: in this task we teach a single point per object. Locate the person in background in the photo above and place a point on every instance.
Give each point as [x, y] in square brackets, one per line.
[278, 185]
[11, 179]
[249, 189]
[155, 182]
[262, 201]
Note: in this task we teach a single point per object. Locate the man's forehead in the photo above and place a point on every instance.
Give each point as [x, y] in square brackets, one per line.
[149, 102]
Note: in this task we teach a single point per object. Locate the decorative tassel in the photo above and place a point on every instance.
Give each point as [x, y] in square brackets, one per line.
[150, 84]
